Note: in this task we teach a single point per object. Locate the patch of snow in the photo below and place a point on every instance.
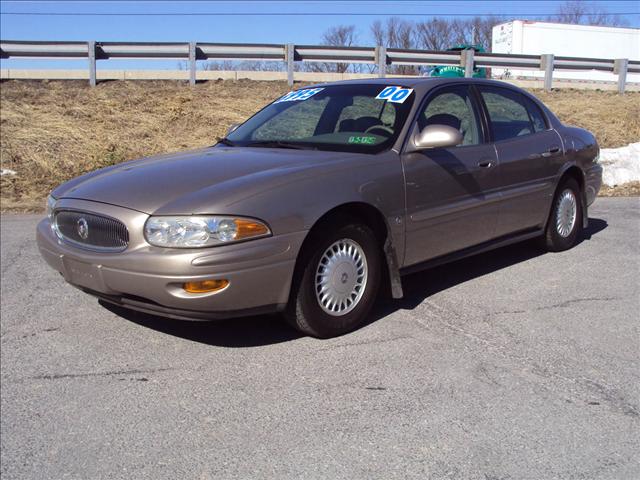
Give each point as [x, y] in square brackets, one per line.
[7, 171]
[620, 165]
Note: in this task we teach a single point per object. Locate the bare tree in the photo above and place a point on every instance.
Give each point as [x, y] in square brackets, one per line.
[338, 36]
[396, 33]
[434, 34]
[482, 30]
[460, 31]
[440, 34]
[583, 13]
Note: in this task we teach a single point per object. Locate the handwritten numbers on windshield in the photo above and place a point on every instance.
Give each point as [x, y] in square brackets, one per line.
[299, 95]
[395, 94]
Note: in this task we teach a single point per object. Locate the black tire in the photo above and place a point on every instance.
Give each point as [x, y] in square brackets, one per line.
[554, 240]
[304, 311]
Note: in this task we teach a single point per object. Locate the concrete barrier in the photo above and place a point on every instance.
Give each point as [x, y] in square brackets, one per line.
[202, 75]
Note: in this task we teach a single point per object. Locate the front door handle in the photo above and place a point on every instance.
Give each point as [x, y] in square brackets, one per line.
[485, 164]
[551, 151]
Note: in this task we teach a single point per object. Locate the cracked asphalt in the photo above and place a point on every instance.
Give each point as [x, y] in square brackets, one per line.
[510, 365]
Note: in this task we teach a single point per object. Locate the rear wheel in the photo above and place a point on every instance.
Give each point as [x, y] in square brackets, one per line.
[565, 222]
[337, 282]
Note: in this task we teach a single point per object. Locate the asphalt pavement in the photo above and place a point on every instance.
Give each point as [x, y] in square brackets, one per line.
[510, 365]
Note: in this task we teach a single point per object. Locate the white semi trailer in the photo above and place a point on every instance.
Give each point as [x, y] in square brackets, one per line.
[564, 40]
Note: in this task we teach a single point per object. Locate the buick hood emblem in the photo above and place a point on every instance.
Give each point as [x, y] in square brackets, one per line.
[83, 228]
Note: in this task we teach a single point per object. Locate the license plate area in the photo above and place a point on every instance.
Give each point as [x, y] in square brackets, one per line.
[83, 274]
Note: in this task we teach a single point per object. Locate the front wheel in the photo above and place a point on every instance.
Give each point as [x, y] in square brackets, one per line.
[338, 281]
[565, 222]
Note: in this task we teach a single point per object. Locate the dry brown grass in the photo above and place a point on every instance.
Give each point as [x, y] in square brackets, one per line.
[631, 189]
[53, 131]
[615, 119]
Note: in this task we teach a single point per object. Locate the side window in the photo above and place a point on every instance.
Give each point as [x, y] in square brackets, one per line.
[537, 118]
[508, 115]
[453, 107]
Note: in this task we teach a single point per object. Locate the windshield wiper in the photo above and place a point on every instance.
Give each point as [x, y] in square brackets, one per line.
[226, 141]
[280, 144]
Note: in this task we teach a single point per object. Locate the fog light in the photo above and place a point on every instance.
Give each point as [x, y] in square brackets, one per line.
[205, 286]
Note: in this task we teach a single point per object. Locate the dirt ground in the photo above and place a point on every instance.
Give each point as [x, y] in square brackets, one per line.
[51, 131]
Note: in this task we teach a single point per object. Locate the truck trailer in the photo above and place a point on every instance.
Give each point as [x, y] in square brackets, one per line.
[565, 40]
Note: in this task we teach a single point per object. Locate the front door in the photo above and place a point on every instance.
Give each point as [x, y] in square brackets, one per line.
[451, 193]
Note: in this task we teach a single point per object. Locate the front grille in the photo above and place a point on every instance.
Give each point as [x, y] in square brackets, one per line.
[92, 231]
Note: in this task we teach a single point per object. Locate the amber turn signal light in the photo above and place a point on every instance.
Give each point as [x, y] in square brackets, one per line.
[248, 229]
[205, 286]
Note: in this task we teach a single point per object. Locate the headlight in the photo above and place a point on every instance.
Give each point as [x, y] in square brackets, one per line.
[51, 203]
[197, 231]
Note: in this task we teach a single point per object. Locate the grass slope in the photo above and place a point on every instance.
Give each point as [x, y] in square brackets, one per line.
[53, 131]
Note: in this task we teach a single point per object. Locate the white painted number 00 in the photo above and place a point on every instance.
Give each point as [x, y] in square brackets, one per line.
[394, 94]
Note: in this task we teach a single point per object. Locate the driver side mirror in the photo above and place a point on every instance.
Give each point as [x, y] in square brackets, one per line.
[436, 136]
[232, 127]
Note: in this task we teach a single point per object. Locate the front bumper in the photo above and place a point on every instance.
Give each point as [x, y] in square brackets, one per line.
[149, 279]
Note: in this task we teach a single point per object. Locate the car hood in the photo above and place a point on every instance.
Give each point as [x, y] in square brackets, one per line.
[165, 183]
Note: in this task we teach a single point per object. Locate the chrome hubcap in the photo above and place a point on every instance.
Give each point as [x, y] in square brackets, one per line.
[341, 277]
[567, 212]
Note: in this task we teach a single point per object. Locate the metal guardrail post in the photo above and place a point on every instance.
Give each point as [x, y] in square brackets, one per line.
[546, 64]
[289, 56]
[620, 67]
[381, 60]
[91, 49]
[192, 63]
[379, 56]
[466, 61]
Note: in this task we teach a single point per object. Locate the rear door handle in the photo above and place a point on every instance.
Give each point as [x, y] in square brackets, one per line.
[485, 164]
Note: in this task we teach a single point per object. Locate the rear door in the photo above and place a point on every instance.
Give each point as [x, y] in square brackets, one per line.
[527, 150]
[451, 193]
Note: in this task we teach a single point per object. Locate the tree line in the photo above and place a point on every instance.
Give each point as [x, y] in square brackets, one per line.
[437, 33]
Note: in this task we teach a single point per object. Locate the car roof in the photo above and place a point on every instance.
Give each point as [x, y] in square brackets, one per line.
[424, 83]
[404, 81]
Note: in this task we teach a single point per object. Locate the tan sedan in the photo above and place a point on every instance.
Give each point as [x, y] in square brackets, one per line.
[323, 196]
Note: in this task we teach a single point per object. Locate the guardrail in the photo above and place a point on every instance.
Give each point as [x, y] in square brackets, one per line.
[381, 56]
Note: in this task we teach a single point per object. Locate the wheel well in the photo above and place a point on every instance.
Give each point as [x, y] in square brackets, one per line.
[356, 211]
[363, 212]
[576, 173]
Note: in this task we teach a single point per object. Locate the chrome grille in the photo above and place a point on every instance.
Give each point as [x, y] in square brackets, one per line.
[91, 231]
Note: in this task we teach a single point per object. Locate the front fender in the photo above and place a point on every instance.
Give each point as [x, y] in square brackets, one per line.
[296, 202]
[295, 199]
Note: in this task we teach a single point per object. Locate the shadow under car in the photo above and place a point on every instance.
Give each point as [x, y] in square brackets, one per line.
[263, 330]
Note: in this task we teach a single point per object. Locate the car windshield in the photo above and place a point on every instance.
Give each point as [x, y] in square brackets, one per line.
[348, 118]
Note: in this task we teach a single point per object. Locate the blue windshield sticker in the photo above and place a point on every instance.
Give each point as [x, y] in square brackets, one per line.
[395, 94]
[299, 95]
